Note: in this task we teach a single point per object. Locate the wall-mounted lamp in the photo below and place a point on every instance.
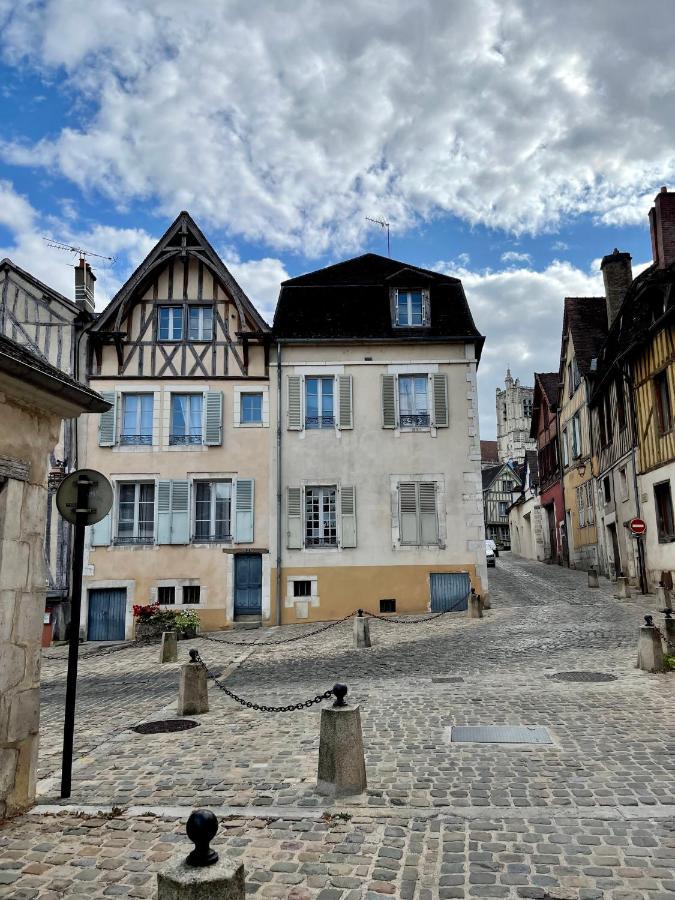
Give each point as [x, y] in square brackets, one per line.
[581, 469]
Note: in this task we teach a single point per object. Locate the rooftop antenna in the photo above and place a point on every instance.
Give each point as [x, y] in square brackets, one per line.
[60, 245]
[382, 224]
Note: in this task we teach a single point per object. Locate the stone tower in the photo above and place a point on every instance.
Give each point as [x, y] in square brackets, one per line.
[514, 417]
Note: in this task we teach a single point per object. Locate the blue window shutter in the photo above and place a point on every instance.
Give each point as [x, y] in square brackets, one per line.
[108, 420]
[163, 512]
[213, 419]
[180, 512]
[100, 533]
[244, 507]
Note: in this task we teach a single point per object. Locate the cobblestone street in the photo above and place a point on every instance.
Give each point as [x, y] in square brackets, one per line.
[590, 815]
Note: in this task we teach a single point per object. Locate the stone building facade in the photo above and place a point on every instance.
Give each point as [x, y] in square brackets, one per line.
[514, 420]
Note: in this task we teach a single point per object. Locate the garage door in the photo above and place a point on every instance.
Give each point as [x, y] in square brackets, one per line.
[107, 613]
[450, 591]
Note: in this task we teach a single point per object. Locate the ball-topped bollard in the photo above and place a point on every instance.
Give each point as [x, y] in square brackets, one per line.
[201, 828]
[649, 622]
[193, 691]
[340, 692]
[194, 655]
[650, 651]
[342, 767]
[361, 630]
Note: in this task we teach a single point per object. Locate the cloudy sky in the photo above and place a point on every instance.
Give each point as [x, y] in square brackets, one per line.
[510, 142]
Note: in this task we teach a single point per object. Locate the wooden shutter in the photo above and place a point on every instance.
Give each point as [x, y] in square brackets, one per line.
[163, 512]
[428, 513]
[294, 518]
[348, 514]
[345, 413]
[213, 418]
[244, 508]
[180, 512]
[407, 499]
[107, 421]
[295, 402]
[100, 533]
[439, 384]
[389, 401]
[426, 308]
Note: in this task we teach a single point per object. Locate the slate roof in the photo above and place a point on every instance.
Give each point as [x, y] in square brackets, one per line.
[532, 462]
[490, 474]
[350, 301]
[586, 319]
[8, 264]
[550, 383]
[488, 451]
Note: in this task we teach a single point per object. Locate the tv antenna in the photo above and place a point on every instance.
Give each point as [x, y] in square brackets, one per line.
[60, 245]
[382, 224]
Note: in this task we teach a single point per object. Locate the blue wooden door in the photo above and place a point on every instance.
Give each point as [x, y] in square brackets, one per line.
[450, 591]
[248, 584]
[107, 613]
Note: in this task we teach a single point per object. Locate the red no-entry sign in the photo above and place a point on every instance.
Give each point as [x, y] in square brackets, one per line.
[637, 526]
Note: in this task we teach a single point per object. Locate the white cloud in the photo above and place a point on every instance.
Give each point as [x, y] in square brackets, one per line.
[512, 256]
[260, 280]
[289, 123]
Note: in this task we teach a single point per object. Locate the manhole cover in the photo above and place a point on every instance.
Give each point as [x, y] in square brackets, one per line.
[499, 734]
[583, 676]
[447, 679]
[164, 726]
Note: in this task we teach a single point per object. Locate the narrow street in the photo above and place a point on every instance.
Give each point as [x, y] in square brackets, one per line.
[587, 815]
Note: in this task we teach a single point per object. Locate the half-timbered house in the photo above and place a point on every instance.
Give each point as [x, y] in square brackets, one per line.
[545, 430]
[182, 356]
[501, 486]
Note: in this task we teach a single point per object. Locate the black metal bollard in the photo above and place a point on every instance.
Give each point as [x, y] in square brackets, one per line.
[201, 828]
[340, 692]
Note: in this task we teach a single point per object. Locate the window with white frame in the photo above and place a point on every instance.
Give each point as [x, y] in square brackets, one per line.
[135, 513]
[302, 588]
[186, 419]
[320, 517]
[418, 517]
[503, 505]
[410, 308]
[590, 508]
[200, 323]
[136, 425]
[413, 401]
[213, 511]
[319, 407]
[251, 408]
[170, 323]
[581, 505]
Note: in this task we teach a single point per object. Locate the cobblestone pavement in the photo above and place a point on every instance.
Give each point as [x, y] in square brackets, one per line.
[589, 815]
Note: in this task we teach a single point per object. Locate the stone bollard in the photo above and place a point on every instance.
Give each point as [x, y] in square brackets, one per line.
[168, 649]
[486, 600]
[593, 578]
[669, 630]
[650, 651]
[193, 692]
[342, 767]
[622, 588]
[361, 631]
[202, 875]
[664, 598]
[475, 606]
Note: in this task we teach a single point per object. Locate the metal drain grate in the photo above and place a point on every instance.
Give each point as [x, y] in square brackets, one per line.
[165, 726]
[583, 676]
[499, 734]
[447, 679]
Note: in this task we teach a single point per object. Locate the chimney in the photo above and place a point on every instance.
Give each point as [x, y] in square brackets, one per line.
[618, 276]
[662, 225]
[84, 286]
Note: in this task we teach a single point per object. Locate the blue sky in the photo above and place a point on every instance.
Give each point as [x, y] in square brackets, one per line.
[500, 139]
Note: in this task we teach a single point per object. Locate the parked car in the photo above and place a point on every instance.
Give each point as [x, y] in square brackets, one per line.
[491, 543]
[489, 554]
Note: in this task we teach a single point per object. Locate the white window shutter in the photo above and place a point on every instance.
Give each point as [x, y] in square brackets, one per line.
[439, 383]
[107, 422]
[244, 503]
[180, 512]
[100, 534]
[295, 402]
[345, 403]
[407, 497]
[426, 308]
[213, 418]
[389, 401]
[163, 512]
[348, 514]
[428, 513]
[294, 518]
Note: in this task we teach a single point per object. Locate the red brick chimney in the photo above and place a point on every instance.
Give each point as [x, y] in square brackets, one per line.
[617, 274]
[662, 225]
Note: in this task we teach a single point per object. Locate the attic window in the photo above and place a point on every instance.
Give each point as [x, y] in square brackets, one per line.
[411, 308]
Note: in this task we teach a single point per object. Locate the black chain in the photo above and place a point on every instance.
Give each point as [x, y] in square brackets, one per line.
[298, 637]
[106, 652]
[420, 620]
[319, 698]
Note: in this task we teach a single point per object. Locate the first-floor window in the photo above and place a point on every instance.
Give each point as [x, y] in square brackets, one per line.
[136, 513]
[213, 508]
[319, 412]
[186, 419]
[412, 401]
[166, 595]
[417, 512]
[191, 593]
[320, 517]
[664, 512]
[136, 419]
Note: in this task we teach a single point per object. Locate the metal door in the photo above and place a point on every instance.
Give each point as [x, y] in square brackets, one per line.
[450, 591]
[107, 613]
[248, 584]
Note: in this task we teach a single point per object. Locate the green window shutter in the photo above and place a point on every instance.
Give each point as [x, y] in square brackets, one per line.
[213, 418]
[345, 406]
[244, 507]
[428, 513]
[407, 500]
[100, 533]
[180, 512]
[389, 401]
[348, 513]
[295, 402]
[439, 384]
[294, 516]
[107, 421]
[163, 512]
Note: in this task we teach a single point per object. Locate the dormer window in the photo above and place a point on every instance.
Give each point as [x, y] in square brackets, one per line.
[411, 308]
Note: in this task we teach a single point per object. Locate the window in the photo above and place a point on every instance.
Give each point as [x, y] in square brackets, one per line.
[200, 323]
[213, 510]
[576, 436]
[527, 408]
[136, 513]
[581, 505]
[170, 323]
[251, 409]
[590, 510]
[607, 489]
[418, 519]
[601, 424]
[412, 401]
[319, 402]
[302, 588]
[186, 419]
[664, 512]
[503, 506]
[409, 308]
[663, 406]
[607, 405]
[565, 450]
[191, 594]
[166, 596]
[573, 376]
[320, 517]
[387, 606]
[508, 486]
[620, 403]
[136, 419]
[623, 480]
